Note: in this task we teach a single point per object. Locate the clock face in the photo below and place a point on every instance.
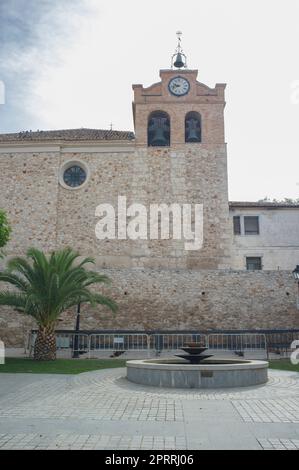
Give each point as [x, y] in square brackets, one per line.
[179, 86]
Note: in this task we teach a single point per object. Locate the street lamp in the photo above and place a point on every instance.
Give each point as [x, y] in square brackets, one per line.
[296, 277]
[76, 354]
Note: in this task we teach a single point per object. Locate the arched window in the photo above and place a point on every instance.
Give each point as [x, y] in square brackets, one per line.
[158, 129]
[192, 127]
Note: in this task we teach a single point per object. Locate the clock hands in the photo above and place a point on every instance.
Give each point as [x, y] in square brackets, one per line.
[178, 86]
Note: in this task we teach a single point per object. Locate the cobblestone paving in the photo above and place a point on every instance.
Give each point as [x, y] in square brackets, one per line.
[49, 401]
[269, 411]
[139, 416]
[68, 441]
[277, 386]
[279, 444]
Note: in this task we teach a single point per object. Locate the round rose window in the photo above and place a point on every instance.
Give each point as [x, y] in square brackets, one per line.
[74, 176]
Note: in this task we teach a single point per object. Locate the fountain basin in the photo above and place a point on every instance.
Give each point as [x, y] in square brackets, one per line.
[216, 373]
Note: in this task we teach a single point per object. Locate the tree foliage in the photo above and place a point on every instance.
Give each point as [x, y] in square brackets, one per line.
[286, 200]
[5, 229]
[45, 286]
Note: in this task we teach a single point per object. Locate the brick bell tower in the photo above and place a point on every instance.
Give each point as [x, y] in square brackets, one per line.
[179, 130]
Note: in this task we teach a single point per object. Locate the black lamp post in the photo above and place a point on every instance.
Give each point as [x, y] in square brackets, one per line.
[296, 277]
[76, 354]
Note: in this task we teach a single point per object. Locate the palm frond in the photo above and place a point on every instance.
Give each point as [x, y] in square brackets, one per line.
[103, 300]
[14, 279]
[48, 285]
[13, 299]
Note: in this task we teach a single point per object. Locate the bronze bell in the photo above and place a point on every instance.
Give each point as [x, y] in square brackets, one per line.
[159, 131]
[192, 132]
[179, 61]
[193, 135]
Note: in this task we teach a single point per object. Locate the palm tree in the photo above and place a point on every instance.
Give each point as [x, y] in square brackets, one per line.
[47, 286]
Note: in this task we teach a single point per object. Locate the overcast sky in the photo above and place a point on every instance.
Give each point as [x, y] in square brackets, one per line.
[71, 63]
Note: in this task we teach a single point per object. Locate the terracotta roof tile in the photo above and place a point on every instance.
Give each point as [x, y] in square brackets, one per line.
[67, 135]
[261, 204]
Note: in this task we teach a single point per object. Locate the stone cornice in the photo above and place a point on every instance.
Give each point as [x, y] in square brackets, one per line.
[91, 146]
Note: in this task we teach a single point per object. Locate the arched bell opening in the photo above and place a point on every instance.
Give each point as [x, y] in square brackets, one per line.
[192, 127]
[158, 129]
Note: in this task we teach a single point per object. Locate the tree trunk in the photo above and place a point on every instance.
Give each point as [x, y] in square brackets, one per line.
[45, 344]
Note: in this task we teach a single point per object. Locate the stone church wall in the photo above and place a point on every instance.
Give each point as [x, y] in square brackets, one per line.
[29, 195]
[181, 299]
[46, 215]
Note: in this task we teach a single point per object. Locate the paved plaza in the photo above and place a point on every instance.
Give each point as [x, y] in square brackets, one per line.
[102, 410]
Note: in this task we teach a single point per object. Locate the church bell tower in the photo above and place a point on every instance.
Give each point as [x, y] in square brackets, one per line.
[179, 125]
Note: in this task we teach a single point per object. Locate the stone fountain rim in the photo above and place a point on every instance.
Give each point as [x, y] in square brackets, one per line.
[159, 364]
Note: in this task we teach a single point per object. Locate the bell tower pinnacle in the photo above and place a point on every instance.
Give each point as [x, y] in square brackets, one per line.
[179, 59]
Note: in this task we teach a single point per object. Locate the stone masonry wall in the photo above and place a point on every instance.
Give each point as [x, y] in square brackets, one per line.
[46, 215]
[181, 299]
[190, 174]
[28, 192]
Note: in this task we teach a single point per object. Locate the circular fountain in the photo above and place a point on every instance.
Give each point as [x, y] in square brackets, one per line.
[197, 370]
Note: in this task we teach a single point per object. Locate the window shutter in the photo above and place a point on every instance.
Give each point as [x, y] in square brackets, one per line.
[237, 225]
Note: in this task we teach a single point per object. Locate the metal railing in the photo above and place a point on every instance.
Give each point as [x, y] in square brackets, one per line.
[173, 342]
[279, 342]
[237, 341]
[69, 342]
[119, 342]
[156, 343]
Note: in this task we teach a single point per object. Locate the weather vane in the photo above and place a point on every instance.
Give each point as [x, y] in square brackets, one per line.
[179, 59]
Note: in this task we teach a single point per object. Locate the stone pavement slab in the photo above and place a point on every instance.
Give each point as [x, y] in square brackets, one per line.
[102, 410]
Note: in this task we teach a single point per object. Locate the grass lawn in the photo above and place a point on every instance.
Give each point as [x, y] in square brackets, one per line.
[76, 366]
[60, 366]
[283, 364]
